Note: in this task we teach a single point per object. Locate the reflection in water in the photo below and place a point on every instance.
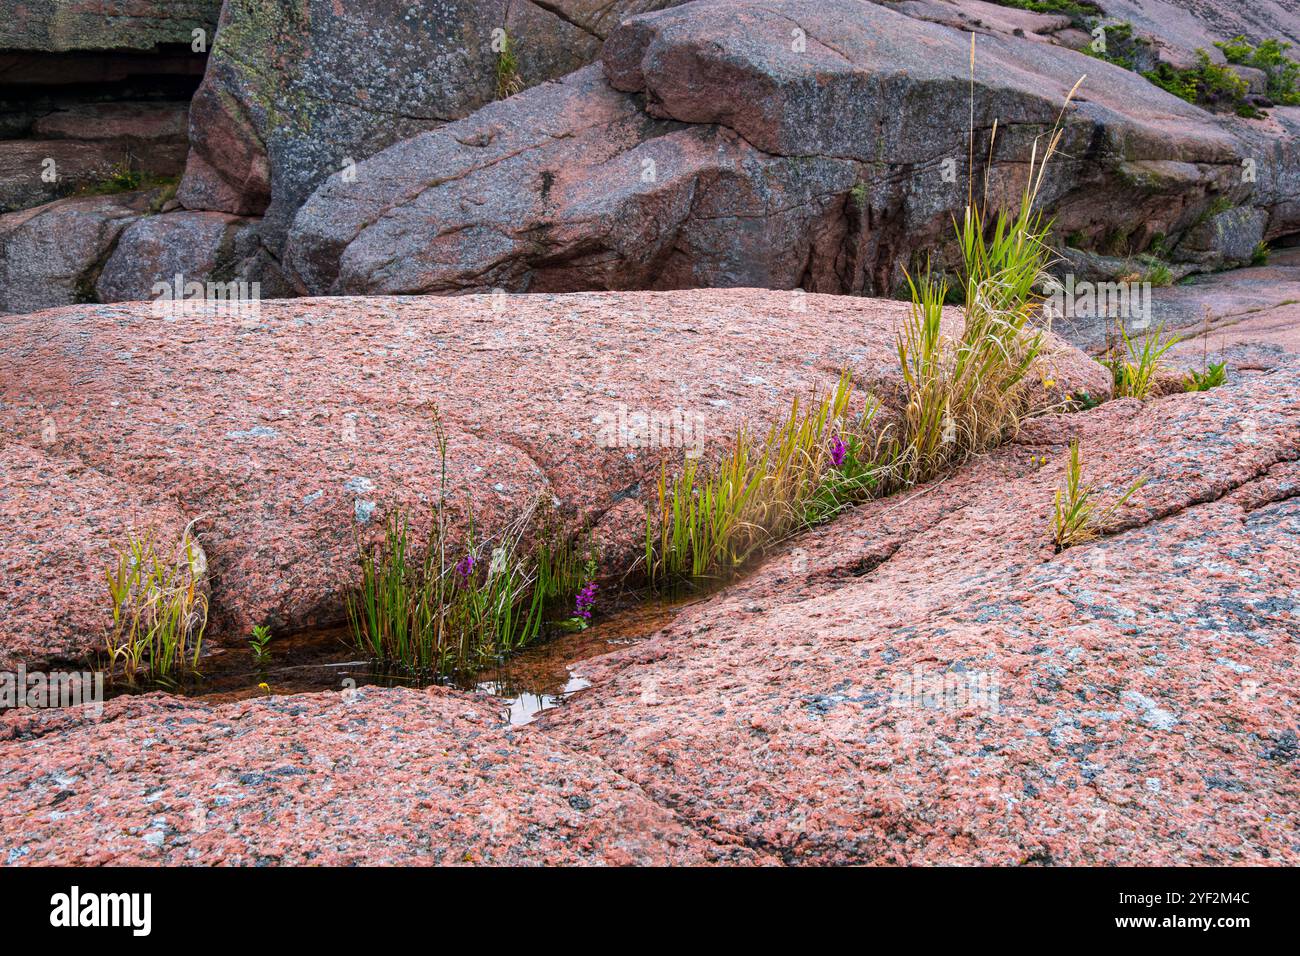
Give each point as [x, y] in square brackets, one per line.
[522, 708]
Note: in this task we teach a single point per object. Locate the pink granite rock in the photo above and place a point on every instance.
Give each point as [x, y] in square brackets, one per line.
[295, 89]
[284, 434]
[60, 522]
[371, 777]
[925, 681]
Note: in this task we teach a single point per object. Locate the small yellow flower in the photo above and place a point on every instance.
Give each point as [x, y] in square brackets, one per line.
[264, 686]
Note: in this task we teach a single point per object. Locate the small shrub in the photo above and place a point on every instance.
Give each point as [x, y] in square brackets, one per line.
[258, 642]
[1206, 84]
[1260, 255]
[1076, 518]
[1134, 370]
[1214, 375]
[159, 613]
[1270, 56]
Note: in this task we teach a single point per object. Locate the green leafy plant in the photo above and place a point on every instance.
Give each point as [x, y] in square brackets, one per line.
[1135, 367]
[1076, 517]
[258, 642]
[1214, 375]
[1260, 255]
[159, 609]
[1206, 84]
[1271, 57]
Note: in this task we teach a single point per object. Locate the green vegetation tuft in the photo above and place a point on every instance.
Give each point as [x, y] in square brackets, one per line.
[159, 611]
[1134, 367]
[448, 608]
[1214, 375]
[1270, 56]
[1076, 517]
[509, 82]
[1206, 84]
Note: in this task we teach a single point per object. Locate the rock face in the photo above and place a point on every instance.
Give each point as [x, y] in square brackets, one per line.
[51, 255]
[1210, 313]
[297, 88]
[60, 26]
[280, 432]
[712, 148]
[61, 521]
[1198, 23]
[293, 780]
[926, 682]
[81, 145]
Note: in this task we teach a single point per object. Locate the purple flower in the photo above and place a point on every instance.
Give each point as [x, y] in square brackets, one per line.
[838, 451]
[585, 601]
[465, 568]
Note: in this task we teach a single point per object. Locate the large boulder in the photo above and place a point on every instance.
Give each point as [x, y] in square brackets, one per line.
[285, 433]
[52, 255]
[926, 682]
[297, 88]
[741, 142]
[205, 247]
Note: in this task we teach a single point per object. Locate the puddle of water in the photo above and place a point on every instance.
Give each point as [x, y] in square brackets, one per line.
[531, 681]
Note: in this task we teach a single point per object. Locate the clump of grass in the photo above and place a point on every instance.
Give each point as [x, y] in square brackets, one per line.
[1213, 375]
[159, 611]
[509, 81]
[712, 517]
[1135, 367]
[1159, 275]
[961, 395]
[965, 394]
[1076, 517]
[446, 610]
[1259, 256]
